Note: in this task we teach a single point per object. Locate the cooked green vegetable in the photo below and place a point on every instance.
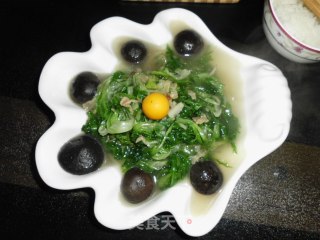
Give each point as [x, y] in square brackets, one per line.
[199, 119]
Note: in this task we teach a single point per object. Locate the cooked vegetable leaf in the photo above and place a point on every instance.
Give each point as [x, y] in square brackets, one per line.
[199, 117]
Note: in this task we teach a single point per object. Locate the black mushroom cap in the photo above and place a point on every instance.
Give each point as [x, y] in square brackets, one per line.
[188, 43]
[134, 51]
[84, 87]
[206, 177]
[136, 185]
[81, 155]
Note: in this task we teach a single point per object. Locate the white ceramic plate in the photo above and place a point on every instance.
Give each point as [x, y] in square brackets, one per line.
[257, 90]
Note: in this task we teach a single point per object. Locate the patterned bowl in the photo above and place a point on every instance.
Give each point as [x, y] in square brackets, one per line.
[257, 90]
[283, 42]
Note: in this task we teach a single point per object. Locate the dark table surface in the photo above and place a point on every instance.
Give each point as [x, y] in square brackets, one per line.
[277, 198]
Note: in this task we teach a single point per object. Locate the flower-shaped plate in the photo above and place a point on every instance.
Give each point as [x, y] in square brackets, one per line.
[256, 89]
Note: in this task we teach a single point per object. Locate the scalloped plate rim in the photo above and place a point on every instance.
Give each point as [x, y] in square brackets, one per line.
[60, 109]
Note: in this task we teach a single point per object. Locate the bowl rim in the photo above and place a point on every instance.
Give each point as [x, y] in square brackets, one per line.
[290, 36]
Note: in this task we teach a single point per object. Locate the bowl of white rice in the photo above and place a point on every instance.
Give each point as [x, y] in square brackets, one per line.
[292, 30]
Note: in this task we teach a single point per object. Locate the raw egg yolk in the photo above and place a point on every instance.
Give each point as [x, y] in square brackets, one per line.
[155, 106]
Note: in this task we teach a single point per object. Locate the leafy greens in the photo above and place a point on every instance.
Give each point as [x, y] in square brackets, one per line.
[200, 117]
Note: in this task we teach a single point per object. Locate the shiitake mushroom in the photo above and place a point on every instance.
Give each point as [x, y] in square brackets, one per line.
[188, 43]
[81, 155]
[205, 176]
[134, 51]
[136, 185]
[84, 87]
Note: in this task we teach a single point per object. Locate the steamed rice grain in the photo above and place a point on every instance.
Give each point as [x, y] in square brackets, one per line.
[299, 21]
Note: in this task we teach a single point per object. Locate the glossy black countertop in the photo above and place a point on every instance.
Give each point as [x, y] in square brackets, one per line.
[277, 198]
